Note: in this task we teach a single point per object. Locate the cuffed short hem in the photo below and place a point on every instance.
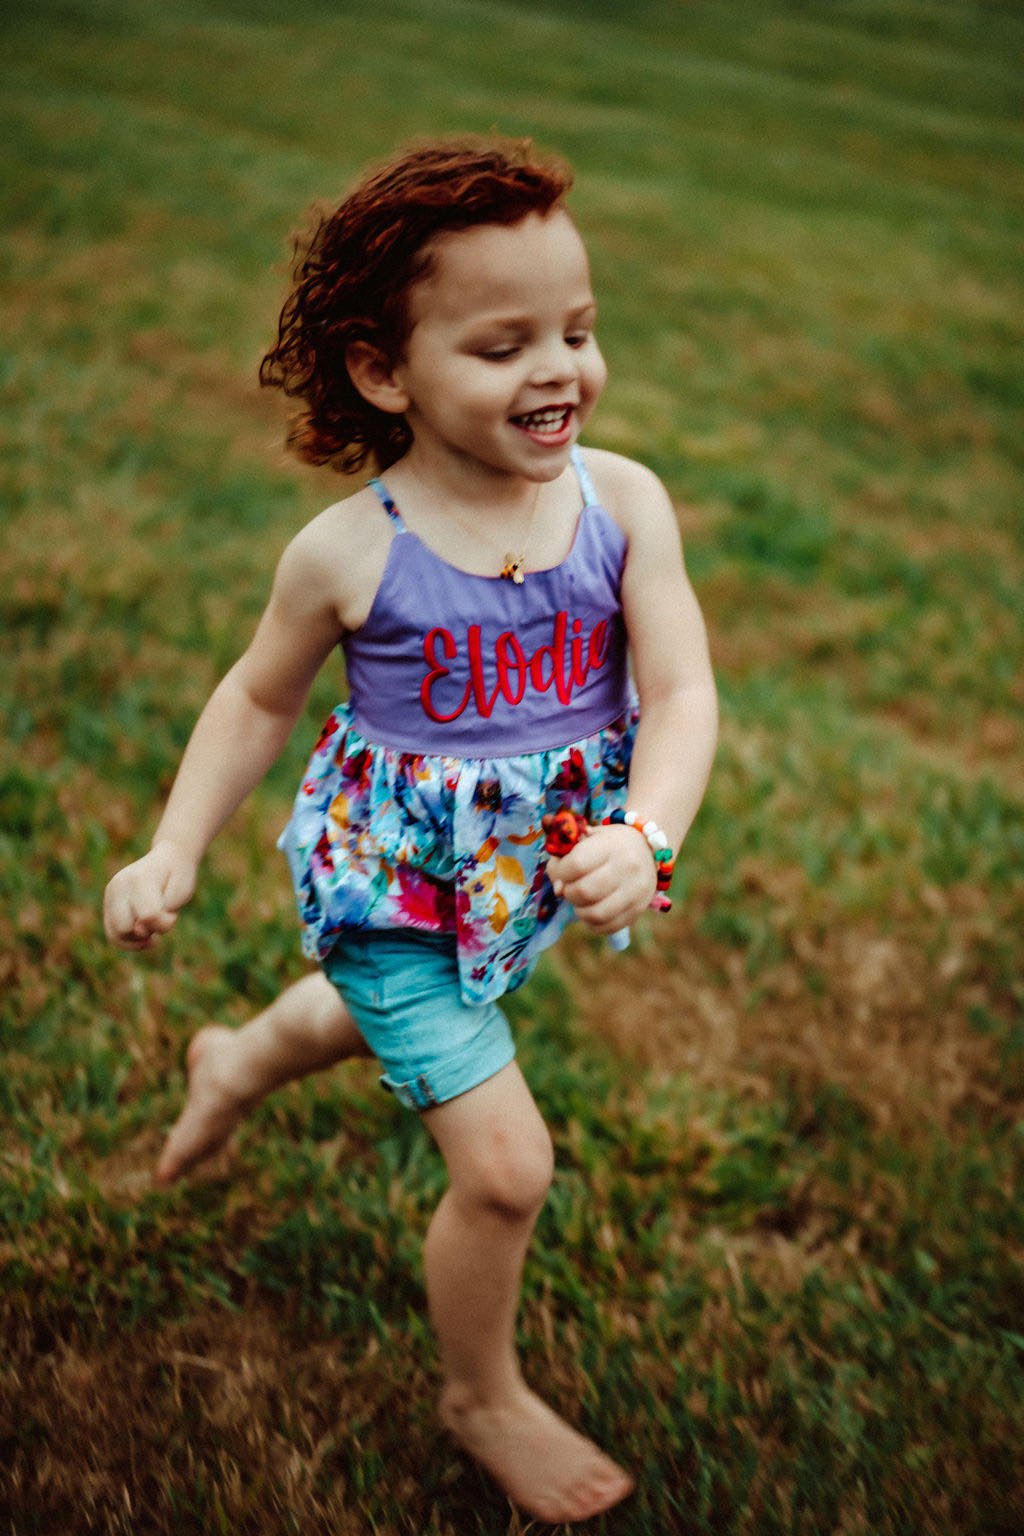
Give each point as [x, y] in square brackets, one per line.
[423, 1092]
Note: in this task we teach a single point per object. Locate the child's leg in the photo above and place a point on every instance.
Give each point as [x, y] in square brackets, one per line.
[499, 1158]
[305, 1029]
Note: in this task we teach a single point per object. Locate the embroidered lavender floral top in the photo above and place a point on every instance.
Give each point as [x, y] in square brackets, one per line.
[475, 707]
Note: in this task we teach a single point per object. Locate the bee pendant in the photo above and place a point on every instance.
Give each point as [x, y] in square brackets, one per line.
[512, 570]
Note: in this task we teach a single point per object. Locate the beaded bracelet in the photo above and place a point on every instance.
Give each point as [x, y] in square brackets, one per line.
[657, 842]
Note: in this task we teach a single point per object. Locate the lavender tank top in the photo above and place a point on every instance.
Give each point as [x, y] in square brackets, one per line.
[460, 665]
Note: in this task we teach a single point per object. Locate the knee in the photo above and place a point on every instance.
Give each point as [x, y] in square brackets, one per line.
[512, 1179]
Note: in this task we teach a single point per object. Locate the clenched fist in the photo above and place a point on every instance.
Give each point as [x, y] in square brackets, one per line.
[144, 898]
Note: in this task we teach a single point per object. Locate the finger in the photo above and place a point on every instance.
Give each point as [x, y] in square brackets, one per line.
[118, 916]
[574, 865]
[556, 872]
[607, 917]
[141, 934]
[566, 871]
[133, 935]
[132, 915]
[591, 887]
[561, 886]
[162, 922]
[158, 895]
[144, 929]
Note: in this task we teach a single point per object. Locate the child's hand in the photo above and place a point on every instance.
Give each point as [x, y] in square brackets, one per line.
[609, 877]
[145, 898]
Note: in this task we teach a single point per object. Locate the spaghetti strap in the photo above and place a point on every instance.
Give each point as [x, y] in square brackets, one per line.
[383, 495]
[583, 475]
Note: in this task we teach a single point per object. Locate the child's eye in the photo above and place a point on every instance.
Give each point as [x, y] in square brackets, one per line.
[577, 338]
[498, 354]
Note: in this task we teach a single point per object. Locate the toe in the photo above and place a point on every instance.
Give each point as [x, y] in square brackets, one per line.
[593, 1495]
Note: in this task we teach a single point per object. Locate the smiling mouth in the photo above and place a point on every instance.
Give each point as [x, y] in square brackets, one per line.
[548, 422]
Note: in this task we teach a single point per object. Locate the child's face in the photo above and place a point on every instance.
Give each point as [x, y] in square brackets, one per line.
[501, 366]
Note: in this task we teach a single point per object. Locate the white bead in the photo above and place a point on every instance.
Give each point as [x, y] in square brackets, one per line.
[652, 834]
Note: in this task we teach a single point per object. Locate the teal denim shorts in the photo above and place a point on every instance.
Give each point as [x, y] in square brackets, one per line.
[402, 989]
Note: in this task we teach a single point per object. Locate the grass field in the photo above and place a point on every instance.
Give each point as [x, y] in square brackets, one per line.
[781, 1272]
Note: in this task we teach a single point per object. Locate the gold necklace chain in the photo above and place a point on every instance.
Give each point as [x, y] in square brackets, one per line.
[513, 565]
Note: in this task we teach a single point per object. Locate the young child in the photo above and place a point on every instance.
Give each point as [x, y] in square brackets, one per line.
[441, 324]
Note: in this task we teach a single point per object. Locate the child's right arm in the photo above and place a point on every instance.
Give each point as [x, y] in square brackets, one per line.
[243, 728]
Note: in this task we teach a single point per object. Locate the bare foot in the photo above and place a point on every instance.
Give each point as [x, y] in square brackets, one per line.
[544, 1465]
[213, 1105]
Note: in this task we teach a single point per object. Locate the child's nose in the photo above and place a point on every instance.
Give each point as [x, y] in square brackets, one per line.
[556, 363]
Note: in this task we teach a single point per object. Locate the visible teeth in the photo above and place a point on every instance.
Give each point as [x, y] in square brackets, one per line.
[545, 421]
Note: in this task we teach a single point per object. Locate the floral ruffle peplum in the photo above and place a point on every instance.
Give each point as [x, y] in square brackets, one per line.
[384, 839]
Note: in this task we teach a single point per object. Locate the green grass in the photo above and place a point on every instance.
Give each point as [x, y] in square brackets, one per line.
[780, 1270]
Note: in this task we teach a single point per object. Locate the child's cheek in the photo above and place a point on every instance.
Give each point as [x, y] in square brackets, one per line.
[596, 375]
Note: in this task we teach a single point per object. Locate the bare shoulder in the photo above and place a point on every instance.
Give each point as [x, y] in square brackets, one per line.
[632, 493]
[616, 476]
[338, 558]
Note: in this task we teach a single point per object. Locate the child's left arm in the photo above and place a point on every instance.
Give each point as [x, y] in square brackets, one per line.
[609, 877]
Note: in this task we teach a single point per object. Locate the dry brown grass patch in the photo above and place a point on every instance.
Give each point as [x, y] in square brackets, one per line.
[851, 1006]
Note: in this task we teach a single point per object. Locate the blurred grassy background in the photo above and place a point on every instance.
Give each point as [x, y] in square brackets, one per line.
[781, 1269]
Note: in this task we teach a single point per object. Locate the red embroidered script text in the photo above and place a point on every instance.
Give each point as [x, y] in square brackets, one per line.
[565, 667]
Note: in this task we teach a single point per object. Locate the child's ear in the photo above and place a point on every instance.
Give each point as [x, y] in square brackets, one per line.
[374, 377]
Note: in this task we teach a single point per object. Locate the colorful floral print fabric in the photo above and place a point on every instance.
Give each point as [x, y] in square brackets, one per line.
[381, 839]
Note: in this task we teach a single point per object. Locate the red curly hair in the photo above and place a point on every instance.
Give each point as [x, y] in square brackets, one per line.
[352, 278]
